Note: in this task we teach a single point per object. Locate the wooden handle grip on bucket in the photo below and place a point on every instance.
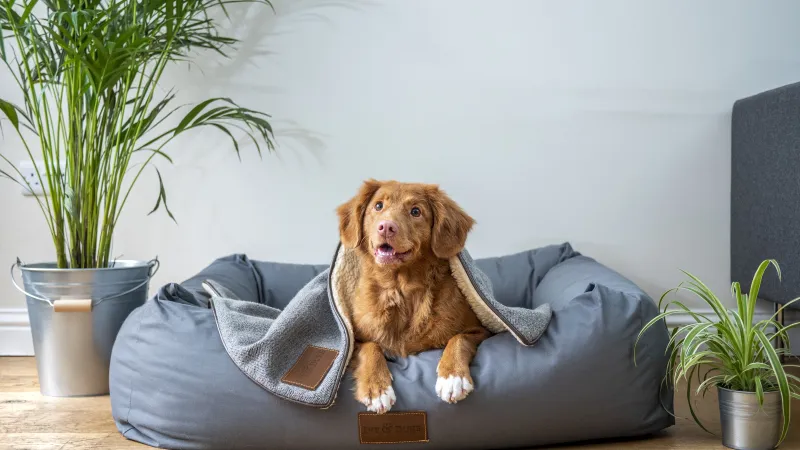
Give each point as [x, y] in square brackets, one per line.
[72, 305]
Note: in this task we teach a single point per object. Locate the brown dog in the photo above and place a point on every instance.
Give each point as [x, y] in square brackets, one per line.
[406, 300]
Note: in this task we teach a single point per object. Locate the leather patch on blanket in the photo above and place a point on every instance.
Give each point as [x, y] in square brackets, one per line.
[393, 427]
[309, 370]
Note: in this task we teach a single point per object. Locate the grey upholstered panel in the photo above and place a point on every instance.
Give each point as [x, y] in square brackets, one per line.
[173, 385]
[765, 190]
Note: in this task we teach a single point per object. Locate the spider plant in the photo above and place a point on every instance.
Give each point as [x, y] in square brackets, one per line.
[727, 348]
[88, 72]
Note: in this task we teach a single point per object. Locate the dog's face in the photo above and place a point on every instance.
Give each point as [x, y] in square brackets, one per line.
[398, 223]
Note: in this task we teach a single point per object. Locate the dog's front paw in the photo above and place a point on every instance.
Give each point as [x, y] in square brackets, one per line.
[377, 399]
[373, 380]
[452, 388]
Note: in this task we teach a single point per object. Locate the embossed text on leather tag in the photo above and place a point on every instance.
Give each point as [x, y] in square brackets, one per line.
[393, 427]
[309, 370]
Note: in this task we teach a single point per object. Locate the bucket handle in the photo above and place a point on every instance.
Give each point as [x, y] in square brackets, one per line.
[154, 264]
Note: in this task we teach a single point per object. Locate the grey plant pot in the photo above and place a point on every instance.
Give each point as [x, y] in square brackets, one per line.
[75, 315]
[745, 424]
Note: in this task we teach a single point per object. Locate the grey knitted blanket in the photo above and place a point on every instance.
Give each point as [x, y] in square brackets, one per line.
[301, 353]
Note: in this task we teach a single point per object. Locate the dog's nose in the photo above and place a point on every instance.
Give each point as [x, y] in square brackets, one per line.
[387, 228]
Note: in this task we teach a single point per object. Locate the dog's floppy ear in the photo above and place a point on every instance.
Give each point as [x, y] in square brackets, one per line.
[450, 224]
[351, 214]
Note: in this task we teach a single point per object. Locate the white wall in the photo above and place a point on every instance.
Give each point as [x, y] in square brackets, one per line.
[601, 123]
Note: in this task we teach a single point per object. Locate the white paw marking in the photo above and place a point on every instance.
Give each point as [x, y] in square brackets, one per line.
[453, 388]
[381, 404]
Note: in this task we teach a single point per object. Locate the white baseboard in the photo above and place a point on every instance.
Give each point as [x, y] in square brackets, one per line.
[15, 332]
[677, 320]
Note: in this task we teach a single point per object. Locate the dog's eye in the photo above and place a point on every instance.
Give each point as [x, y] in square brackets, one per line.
[415, 211]
[378, 206]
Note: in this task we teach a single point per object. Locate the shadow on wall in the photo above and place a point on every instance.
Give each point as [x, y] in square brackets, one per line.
[256, 26]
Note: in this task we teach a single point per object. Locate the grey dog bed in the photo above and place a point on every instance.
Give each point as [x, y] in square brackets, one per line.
[174, 385]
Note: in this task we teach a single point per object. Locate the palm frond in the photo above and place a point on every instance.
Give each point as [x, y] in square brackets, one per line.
[89, 74]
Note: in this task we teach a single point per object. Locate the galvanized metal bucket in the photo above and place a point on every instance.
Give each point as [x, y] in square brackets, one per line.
[746, 425]
[75, 316]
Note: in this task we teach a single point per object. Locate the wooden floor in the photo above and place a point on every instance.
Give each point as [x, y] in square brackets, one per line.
[30, 421]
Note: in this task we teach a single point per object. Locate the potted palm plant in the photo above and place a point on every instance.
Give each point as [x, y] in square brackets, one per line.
[94, 113]
[728, 351]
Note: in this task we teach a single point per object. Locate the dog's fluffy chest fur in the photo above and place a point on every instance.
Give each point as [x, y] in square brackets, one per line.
[405, 313]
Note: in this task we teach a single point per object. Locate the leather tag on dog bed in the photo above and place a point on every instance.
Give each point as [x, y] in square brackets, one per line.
[393, 427]
[309, 370]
